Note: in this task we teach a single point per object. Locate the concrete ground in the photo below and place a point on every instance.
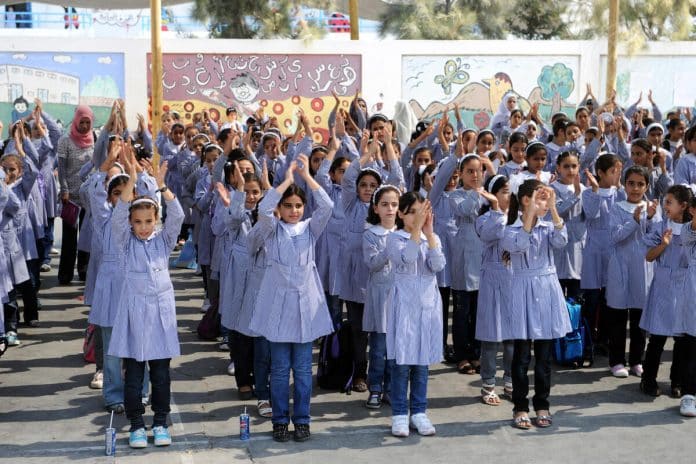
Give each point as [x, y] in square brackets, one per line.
[49, 414]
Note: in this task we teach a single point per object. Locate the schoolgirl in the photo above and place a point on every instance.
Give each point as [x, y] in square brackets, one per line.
[661, 317]
[597, 202]
[685, 170]
[290, 309]
[536, 157]
[569, 190]
[557, 144]
[537, 312]
[485, 141]
[145, 328]
[630, 274]
[494, 288]
[687, 405]
[414, 319]
[517, 144]
[502, 117]
[643, 154]
[381, 219]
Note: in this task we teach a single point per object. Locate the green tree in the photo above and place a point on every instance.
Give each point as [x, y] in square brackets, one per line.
[538, 20]
[556, 83]
[428, 20]
[248, 19]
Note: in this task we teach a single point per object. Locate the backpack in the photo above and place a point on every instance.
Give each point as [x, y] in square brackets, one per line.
[89, 344]
[575, 349]
[336, 367]
[209, 327]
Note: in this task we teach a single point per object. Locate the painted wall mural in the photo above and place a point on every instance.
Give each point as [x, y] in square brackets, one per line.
[477, 84]
[61, 81]
[278, 83]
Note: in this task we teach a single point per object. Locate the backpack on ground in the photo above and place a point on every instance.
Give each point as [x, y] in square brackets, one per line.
[575, 349]
[336, 365]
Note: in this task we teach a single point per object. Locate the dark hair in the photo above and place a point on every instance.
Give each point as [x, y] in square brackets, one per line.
[316, 149]
[673, 124]
[643, 144]
[682, 194]
[293, 189]
[559, 125]
[418, 177]
[223, 135]
[144, 205]
[376, 117]
[572, 124]
[336, 163]
[517, 137]
[372, 216]
[405, 202]
[229, 169]
[526, 190]
[516, 110]
[236, 155]
[565, 154]
[605, 162]
[368, 172]
[498, 185]
[483, 133]
[639, 170]
[580, 109]
[533, 148]
[251, 177]
[116, 181]
[690, 134]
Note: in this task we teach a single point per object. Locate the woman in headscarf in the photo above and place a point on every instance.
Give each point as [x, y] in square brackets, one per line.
[75, 149]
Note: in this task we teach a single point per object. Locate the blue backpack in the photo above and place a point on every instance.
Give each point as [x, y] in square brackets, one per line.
[575, 349]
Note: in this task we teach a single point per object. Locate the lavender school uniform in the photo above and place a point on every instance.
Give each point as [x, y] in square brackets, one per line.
[629, 273]
[595, 255]
[380, 280]
[686, 323]
[496, 279]
[661, 313]
[414, 317]
[10, 224]
[237, 222]
[537, 309]
[466, 247]
[445, 225]
[255, 272]
[291, 306]
[145, 324]
[569, 258]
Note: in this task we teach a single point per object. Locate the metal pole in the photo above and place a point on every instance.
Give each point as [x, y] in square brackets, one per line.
[611, 46]
[354, 17]
[156, 72]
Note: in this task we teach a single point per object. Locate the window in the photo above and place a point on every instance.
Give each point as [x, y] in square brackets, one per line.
[42, 94]
[16, 91]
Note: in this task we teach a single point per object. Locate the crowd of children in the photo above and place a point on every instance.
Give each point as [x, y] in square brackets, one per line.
[509, 223]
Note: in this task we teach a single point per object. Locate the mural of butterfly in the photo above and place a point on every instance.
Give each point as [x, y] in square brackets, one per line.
[453, 74]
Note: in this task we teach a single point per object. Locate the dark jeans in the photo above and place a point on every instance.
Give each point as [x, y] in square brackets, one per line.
[521, 358]
[466, 347]
[335, 309]
[595, 311]
[617, 319]
[355, 315]
[47, 242]
[689, 345]
[99, 349]
[34, 268]
[262, 368]
[242, 354]
[69, 253]
[11, 308]
[132, 392]
[445, 296]
[571, 288]
[653, 353]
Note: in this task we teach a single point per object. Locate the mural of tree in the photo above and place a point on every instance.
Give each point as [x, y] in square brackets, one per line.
[556, 83]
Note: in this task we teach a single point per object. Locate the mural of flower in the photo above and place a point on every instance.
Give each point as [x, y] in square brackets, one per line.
[481, 120]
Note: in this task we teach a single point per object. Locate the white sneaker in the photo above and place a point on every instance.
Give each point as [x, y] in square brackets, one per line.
[206, 305]
[97, 382]
[619, 371]
[421, 423]
[637, 369]
[687, 406]
[54, 252]
[230, 369]
[400, 426]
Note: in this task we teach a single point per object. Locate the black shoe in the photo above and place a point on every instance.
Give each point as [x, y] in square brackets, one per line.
[280, 433]
[650, 388]
[676, 391]
[301, 432]
[449, 355]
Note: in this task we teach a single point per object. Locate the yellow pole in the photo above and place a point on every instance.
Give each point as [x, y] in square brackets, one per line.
[611, 46]
[354, 27]
[156, 72]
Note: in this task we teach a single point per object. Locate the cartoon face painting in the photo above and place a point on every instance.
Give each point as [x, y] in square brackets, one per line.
[20, 108]
[244, 88]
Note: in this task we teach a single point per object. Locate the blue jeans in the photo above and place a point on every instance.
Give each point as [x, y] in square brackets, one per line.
[379, 372]
[285, 356]
[400, 376]
[262, 368]
[113, 382]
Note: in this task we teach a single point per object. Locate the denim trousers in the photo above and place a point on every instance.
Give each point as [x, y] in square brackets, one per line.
[521, 358]
[379, 372]
[262, 368]
[113, 381]
[466, 347]
[298, 357]
[401, 403]
[489, 355]
[160, 398]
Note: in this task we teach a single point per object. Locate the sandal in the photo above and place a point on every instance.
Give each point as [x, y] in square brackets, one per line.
[489, 396]
[360, 386]
[465, 367]
[543, 420]
[522, 422]
[264, 408]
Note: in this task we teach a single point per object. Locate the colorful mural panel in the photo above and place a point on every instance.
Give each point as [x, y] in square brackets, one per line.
[279, 83]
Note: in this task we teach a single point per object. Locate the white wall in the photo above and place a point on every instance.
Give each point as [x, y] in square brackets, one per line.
[381, 60]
